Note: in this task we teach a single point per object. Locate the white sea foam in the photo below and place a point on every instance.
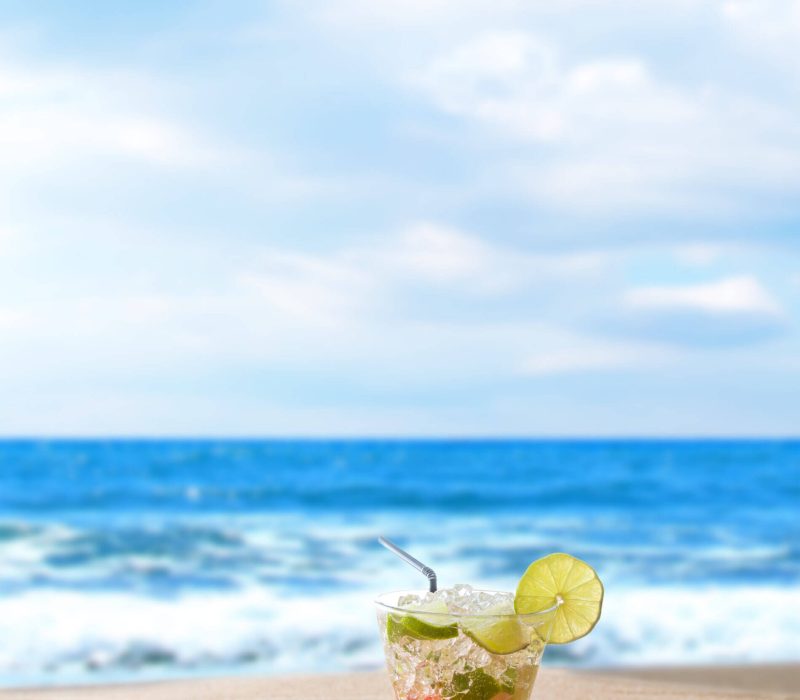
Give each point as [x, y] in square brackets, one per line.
[653, 626]
[272, 593]
[72, 634]
[60, 635]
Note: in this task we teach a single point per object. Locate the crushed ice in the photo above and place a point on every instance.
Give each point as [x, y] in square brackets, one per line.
[462, 599]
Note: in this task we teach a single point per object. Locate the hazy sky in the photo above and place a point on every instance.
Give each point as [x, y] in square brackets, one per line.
[422, 217]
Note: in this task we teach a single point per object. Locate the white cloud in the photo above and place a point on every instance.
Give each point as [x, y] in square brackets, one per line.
[420, 265]
[609, 133]
[439, 254]
[699, 254]
[49, 117]
[575, 105]
[312, 289]
[397, 13]
[438, 17]
[7, 237]
[284, 340]
[770, 28]
[568, 104]
[11, 319]
[731, 295]
[582, 354]
[445, 256]
[427, 305]
[514, 82]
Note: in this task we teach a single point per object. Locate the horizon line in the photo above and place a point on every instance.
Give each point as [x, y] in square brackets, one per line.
[144, 437]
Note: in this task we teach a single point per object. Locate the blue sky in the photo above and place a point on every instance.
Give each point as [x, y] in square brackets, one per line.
[400, 218]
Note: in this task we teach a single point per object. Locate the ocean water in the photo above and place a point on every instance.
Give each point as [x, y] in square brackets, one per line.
[124, 560]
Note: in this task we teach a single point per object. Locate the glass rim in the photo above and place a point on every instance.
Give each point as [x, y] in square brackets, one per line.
[379, 603]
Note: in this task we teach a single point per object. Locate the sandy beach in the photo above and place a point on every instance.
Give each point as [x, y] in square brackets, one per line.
[708, 683]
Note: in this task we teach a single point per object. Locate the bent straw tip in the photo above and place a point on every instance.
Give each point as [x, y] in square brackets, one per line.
[406, 557]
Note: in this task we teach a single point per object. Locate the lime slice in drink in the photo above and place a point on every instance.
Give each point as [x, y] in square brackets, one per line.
[478, 685]
[569, 583]
[437, 624]
[497, 630]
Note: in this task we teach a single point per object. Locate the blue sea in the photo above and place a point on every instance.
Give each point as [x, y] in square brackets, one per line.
[125, 560]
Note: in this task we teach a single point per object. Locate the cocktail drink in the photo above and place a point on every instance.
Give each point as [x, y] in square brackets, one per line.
[461, 644]
[465, 644]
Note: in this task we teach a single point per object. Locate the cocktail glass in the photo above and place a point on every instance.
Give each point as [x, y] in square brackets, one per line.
[457, 667]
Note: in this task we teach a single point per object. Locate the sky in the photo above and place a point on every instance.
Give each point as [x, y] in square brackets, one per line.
[429, 217]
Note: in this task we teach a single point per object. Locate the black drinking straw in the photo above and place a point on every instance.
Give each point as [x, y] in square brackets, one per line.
[408, 559]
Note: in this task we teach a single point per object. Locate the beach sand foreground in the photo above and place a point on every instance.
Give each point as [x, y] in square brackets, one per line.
[553, 684]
